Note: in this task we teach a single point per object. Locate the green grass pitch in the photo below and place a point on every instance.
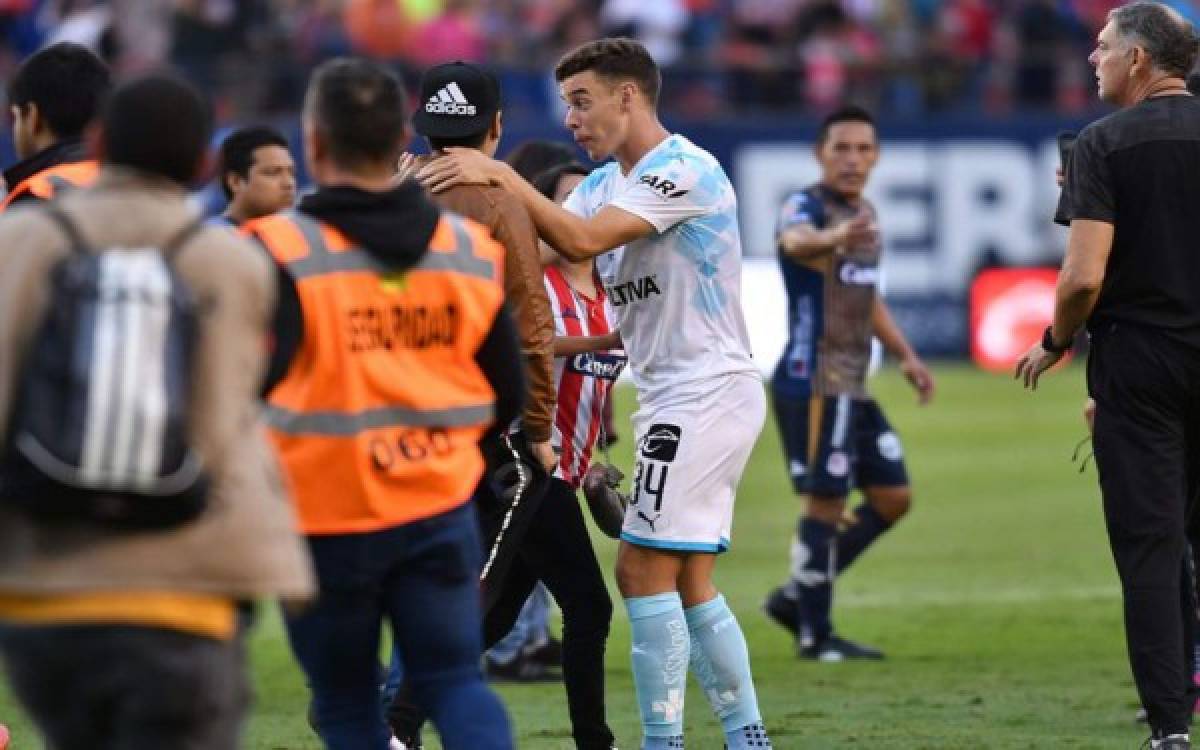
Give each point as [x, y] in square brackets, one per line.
[996, 600]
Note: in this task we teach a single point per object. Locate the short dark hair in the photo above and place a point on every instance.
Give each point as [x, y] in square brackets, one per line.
[237, 152]
[1167, 37]
[850, 113]
[67, 82]
[619, 59]
[360, 107]
[547, 181]
[474, 140]
[531, 158]
[159, 124]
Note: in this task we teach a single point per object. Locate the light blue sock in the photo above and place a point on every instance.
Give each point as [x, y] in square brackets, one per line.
[722, 665]
[660, 661]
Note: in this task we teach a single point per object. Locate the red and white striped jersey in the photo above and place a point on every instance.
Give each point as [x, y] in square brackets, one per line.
[584, 380]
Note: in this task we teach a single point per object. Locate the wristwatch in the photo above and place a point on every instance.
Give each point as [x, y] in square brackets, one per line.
[1049, 345]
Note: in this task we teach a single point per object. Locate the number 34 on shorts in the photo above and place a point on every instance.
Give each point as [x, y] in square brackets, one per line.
[689, 462]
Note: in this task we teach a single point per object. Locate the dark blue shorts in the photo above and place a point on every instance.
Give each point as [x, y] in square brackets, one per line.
[836, 443]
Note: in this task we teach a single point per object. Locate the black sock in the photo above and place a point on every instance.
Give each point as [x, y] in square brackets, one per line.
[812, 574]
[868, 527]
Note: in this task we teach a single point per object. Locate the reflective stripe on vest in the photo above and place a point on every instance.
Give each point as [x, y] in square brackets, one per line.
[342, 424]
[320, 260]
[53, 180]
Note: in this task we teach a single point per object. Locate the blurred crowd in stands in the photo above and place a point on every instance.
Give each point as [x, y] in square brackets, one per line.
[721, 57]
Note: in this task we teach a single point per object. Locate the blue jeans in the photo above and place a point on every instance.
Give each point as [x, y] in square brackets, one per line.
[532, 628]
[424, 578]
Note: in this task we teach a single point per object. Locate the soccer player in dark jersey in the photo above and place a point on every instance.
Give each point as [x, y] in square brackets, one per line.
[834, 434]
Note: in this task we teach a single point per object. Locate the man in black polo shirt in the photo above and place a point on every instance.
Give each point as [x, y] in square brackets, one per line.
[1132, 273]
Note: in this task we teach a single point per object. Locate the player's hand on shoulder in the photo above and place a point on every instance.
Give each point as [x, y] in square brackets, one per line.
[920, 377]
[460, 166]
[406, 167]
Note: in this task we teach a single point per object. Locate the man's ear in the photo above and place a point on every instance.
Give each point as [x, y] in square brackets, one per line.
[228, 180]
[32, 116]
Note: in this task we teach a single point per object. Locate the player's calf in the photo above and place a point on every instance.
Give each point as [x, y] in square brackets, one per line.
[883, 507]
[721, 662]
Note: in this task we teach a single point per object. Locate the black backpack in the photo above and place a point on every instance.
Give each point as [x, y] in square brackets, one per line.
[99, 427]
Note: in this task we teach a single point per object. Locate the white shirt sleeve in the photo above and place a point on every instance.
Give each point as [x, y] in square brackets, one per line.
[669, 195]
[575, 202]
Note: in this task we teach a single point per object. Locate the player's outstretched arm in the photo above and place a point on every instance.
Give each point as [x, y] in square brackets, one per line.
[574, 237]
[895, 343]
[803, 240]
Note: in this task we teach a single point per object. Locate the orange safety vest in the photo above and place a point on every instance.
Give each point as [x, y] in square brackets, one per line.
[378, 419]
[47, 183]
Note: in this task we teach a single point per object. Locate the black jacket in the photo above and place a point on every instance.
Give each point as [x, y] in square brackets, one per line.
[66, 151]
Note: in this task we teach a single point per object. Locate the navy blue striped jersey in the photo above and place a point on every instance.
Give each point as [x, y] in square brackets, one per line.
[830, 300]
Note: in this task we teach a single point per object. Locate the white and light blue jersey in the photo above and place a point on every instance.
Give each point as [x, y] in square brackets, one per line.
[676, 292]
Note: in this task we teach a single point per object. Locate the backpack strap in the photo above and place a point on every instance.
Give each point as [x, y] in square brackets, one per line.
[68, 227]
[80, 246]
[178, 240]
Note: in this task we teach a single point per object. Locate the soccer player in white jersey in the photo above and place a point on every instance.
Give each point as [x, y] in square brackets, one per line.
[663, 219]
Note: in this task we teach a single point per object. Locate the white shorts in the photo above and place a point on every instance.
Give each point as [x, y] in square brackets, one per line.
[690, 457]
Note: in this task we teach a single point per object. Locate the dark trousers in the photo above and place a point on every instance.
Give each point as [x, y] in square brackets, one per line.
[557, 550]
[1147, 445]
[128, 688]
[544, 537]
[423, 578]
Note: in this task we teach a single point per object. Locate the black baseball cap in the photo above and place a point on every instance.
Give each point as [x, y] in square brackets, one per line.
[458, 100]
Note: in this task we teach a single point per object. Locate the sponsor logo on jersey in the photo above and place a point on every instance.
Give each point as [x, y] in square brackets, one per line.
[668, 188]
[660, 443]
[597, 365]
[853, 274]
[796, 211]
[633, 291]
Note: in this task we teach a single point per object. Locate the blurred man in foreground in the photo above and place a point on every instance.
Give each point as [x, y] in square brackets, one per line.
[117, 635]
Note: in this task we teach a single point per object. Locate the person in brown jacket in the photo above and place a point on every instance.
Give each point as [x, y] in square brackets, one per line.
[132, 639]
[460, 107]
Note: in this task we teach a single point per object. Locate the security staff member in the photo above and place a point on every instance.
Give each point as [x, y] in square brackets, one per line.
[407, 356]
[53, 97]
[1131, 272]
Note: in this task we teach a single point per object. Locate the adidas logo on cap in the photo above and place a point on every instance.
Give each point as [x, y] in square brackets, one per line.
[449, 100]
